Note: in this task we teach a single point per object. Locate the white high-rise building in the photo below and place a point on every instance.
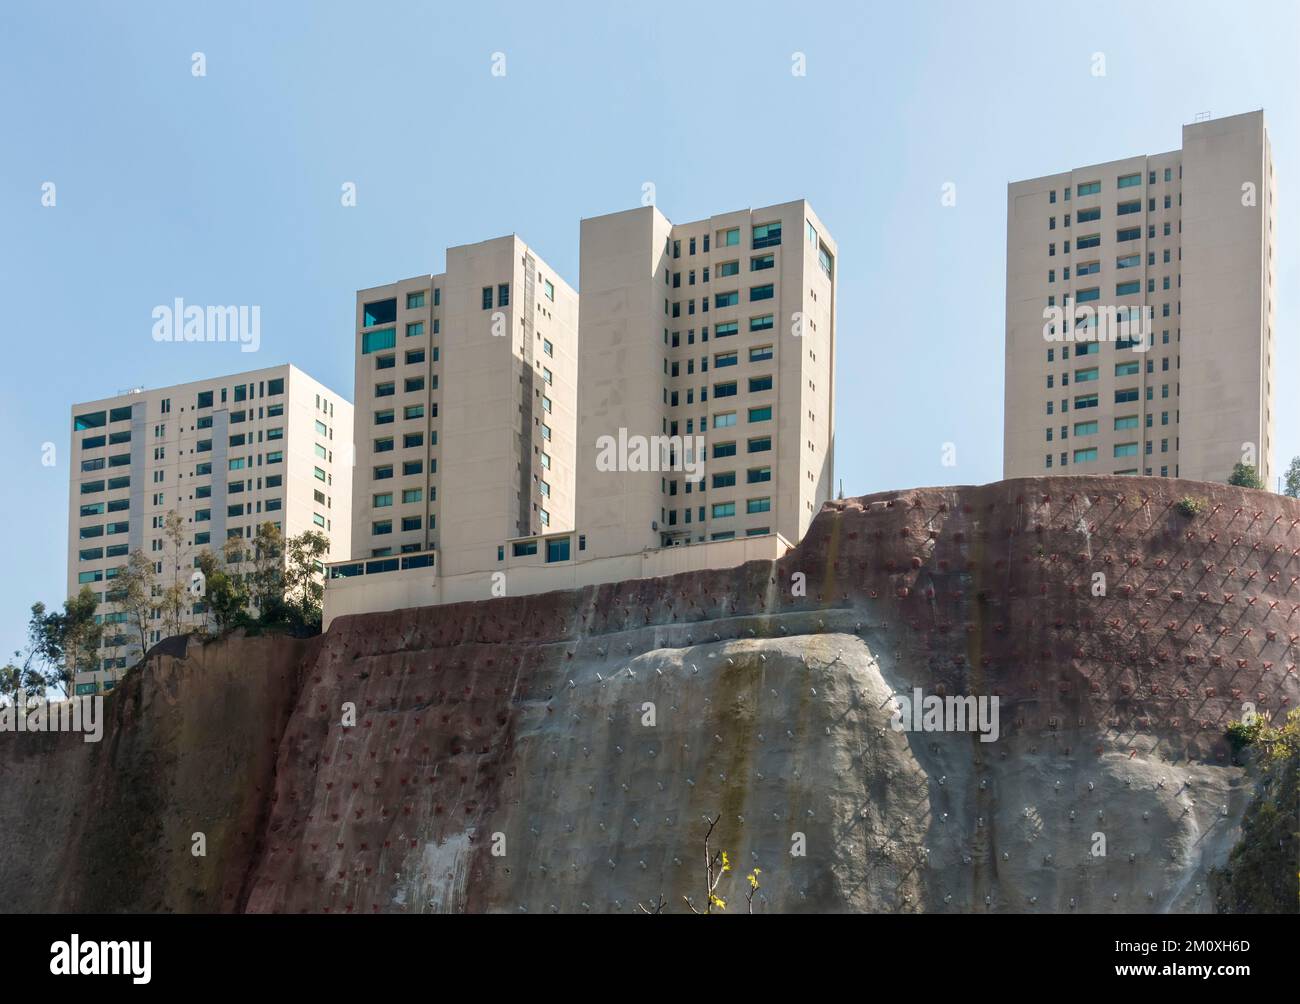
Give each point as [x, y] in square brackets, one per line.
[227, 454]
[1184, 237]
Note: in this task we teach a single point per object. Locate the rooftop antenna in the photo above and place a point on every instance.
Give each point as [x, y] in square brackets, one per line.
[1202, 117]
[841, 495]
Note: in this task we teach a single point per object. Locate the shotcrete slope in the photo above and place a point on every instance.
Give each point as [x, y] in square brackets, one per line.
[561, 752]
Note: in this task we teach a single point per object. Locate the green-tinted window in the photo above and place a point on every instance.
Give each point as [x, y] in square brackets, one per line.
[377, 341]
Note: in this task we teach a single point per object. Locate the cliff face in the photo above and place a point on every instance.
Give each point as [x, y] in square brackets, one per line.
[561, 752]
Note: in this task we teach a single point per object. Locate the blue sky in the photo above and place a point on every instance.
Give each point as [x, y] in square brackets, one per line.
[225, 188]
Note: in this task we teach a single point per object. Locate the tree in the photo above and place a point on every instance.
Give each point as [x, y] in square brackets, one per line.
[266, 582]
[303, 579]
[225, 597]
[65, 642]
[19, 677]
[1245, 476]
[176, 595]
[1293, 479]
[134, 594]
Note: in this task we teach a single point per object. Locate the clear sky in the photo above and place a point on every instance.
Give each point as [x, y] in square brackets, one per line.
[226, 188]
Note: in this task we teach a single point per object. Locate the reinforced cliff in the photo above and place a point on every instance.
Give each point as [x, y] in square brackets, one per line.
[562, 752]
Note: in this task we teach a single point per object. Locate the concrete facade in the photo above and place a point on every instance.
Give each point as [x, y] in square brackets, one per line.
[555, 562]
[227, 454]
[720, 332]
[466, 407]
[1187, 235]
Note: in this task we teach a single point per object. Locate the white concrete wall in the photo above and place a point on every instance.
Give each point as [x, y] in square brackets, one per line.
[422, 587]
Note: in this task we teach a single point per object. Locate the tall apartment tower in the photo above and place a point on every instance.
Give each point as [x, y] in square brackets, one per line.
[722, 329]
[1188, 235]
[226, 454]
[466, 409]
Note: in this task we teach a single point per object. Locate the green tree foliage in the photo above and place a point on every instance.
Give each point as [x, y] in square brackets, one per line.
[1245, 476]
[304, 582]
[226, 596]
[1293, 479]
[1261, 873]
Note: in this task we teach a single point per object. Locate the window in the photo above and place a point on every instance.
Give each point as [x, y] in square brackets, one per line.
[1128, 234]
[763, 414]
[760, 354]
[503, 294]
[381, 526]
[1087, 241]
[721, 300]
[767, 235]
[1128, 261]
[548, 347]
[1127, 288]
[721, 450]
[1084, 428]
[1127, 369]
[523, 548]
[721, 510]
[761, 292]
[414, 301]
[415, 330]
[1088, 295]
[1088, 188]
[1126, 422]
[760, 383]
[487, 297]
[760, 262]
[1084, 456]
[1124, 396]
[724, 421]
[548, 288]
[318, 474]
[1129, 208]
[758, 475]
[725, 480]
[384, 417]
[725, 329]
[414, 356]
[1126, 449]
[382, 500]
[387, 389]
[1085, 401]
[728, 268]
[729, 238]
[377, 341]
[758, 505]
[826, 260]
[725, 359]
[412, 495]
[760, 444]
[1088, 215]
[275, 386]
[413, 411]
[90, 420]
[557, 550]
[1129, 181]
[379, 312]
[763, 323]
